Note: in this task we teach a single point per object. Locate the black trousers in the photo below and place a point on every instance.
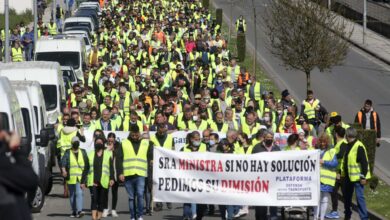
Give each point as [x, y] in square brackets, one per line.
[98, 197]
[335, 195]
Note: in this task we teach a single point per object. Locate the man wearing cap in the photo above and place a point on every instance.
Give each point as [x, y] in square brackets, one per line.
[287, 100]
[75, 166]
[133, 159]
[335, 121]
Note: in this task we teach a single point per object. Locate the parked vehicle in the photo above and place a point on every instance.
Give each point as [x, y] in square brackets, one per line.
[49, 75]
[67, 52]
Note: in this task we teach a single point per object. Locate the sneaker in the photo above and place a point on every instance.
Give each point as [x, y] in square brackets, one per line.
[80, 214]
[241, 213]
[332, 215]
[114, 214]
[140, 218]
[194, 216]
[105, 213]
[73, 215]
[148, 212]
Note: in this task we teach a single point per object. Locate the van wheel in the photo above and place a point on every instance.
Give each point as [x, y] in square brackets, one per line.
[48, 182]
[38, 200]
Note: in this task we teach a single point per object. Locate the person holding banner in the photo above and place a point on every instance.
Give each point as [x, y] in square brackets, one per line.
[267, 145]
[100, 177]
[132, 162]
[194, 145]
[165, 140]
[328, 175]
[226, 211]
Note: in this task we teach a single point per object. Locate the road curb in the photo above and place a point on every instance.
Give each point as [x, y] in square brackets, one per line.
[372, 53]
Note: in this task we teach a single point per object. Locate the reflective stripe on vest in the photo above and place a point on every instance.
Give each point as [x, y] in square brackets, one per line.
[76, 167]
[135, 164]
[328, 176]
[105, 177]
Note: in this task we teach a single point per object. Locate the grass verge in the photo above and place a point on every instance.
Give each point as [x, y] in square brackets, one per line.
[15, 18]
[378, 200]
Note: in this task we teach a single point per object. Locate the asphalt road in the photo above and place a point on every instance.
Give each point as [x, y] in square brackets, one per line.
[343, 89]
[58, 208]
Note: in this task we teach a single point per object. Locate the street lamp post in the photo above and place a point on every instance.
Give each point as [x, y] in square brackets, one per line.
[6, 31]
[35, 7]
[364, 20]
[255, 32]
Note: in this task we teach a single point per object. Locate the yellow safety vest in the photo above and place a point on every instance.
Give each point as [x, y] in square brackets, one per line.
[202, 148]
[214, 127]
[126, 124]
[310, 109]
[135, 164]
[328, 176]
[105, 177]
[65, 141]
[17, 55]
[52, 29]
[246, 129]
[76, 167]
[192, 126]
[168, 143]
[354, 168]
[257, 93]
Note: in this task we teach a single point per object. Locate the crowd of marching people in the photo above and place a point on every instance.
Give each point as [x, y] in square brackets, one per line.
[163, 66]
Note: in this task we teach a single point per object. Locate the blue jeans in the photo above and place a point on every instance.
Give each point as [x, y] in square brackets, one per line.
[229, 209]
[189, 210]
[76, 197]
[348, 193]
[135, 186]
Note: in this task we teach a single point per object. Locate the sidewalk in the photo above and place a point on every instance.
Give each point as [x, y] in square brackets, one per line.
[375, 44]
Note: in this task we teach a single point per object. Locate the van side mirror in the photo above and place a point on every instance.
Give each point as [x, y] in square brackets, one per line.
[51, 130]
[44, 136]
[25, 146]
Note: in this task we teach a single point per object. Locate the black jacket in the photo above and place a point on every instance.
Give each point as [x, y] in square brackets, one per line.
[16, 179]
[259, 148]
[372, 123]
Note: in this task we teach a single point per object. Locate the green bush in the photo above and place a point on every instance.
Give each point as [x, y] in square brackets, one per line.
[368, 138]
[241, 46]
[218, 16]
[15, 18]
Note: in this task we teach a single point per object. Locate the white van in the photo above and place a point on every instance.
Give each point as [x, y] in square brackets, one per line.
[48, 74]
[10, 115]
[39, 139]
[67, 52]
[82, 34]
[75, 22]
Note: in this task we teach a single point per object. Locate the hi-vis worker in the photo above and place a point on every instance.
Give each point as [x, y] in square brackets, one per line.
[75, 166]
[65, 136]
[100, 177]
[52, 27]
[17, 52]
[132, 164]
[356, 171]
[241, 24]
[310, 107]
[328, 175]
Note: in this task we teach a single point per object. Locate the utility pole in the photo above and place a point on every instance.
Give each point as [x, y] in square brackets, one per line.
[364, 20]
[35, 8]
[330, 4]
[231, 20]
[255, 30]
[6, 31]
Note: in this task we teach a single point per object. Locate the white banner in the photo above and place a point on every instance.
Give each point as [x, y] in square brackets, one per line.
[265, 179]
[179, 138]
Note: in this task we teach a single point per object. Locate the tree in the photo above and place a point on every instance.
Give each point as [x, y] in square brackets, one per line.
[306, 35]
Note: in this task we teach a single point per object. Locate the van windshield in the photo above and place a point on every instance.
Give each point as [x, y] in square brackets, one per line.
[50, 96]
[64, 58]
[74, 24]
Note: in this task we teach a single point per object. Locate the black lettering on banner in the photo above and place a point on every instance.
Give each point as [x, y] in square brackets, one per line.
[160, 183]
[167, 180]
